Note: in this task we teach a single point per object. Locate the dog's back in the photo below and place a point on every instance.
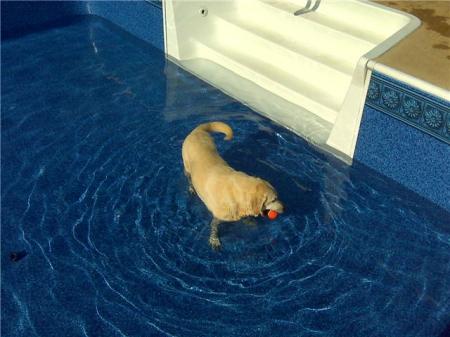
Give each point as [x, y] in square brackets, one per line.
[210, 175]
[199, 147]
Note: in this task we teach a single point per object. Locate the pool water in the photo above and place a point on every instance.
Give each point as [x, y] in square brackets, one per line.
[93, 190]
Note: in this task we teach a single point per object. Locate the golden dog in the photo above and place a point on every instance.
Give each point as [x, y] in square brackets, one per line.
[229, 195]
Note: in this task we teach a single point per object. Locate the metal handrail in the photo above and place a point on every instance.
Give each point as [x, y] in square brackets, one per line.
[307, 8]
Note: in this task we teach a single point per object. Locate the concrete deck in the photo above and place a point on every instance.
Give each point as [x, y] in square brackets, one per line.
[425, 54]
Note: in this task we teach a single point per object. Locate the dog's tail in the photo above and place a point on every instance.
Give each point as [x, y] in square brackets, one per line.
[216, 127]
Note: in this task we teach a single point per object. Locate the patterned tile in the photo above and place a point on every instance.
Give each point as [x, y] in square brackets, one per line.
[421, 110]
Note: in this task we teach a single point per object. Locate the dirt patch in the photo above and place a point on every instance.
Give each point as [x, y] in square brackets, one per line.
[425, 53]
[432, 21]
[441, 46]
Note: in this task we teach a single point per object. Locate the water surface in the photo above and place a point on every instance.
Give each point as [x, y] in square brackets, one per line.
[93, 189]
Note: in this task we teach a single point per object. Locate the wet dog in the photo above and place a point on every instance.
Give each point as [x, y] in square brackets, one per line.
[229, 195]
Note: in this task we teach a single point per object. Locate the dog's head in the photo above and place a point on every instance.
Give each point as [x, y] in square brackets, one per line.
[267, 199]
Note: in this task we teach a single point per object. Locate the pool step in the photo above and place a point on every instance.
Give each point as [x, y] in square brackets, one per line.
[350, 18]
[253, 44]
[342, 48]
[275, 79]
[312, 73]
[305, 123]
[313, 64]
[279, 44]
[298, 44]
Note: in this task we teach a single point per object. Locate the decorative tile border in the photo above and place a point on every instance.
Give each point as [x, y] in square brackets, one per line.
[418, 109]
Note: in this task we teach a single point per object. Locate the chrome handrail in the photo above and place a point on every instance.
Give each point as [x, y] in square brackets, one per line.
[307, 8]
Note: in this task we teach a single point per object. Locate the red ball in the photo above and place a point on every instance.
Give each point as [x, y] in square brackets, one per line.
[272, 215]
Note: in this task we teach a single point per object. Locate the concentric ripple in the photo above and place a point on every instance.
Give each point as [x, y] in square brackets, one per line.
[93, 190]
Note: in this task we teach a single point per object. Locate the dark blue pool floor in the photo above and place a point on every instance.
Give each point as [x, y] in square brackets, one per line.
[93, 189]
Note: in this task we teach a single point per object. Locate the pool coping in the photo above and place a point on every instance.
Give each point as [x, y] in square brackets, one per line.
[409, 80]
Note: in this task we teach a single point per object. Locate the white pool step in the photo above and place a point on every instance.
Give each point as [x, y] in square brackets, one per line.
[312, 64]
[312, 127]
[329, 41]
[282, 42]
[347, 17]
[279, 55]
[296, 44]
[267, 76]
[334, 23]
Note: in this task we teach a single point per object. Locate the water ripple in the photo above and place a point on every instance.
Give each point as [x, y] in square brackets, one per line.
[93, 189]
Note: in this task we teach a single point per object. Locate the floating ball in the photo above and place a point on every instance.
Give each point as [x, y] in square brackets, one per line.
[272, 215]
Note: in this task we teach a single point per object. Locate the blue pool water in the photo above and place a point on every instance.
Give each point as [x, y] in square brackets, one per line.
[93, 190]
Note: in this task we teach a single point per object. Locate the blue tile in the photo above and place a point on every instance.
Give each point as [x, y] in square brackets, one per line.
[406, 154]
[22, 17]
[142, 19]
[405, 135]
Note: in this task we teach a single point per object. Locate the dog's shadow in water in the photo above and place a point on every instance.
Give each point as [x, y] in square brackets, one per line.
[250, 156]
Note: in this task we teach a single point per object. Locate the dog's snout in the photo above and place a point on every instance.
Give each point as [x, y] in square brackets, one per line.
[275, 205]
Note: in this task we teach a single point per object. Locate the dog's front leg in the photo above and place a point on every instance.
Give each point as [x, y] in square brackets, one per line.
[249, 221]
[214, 236]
